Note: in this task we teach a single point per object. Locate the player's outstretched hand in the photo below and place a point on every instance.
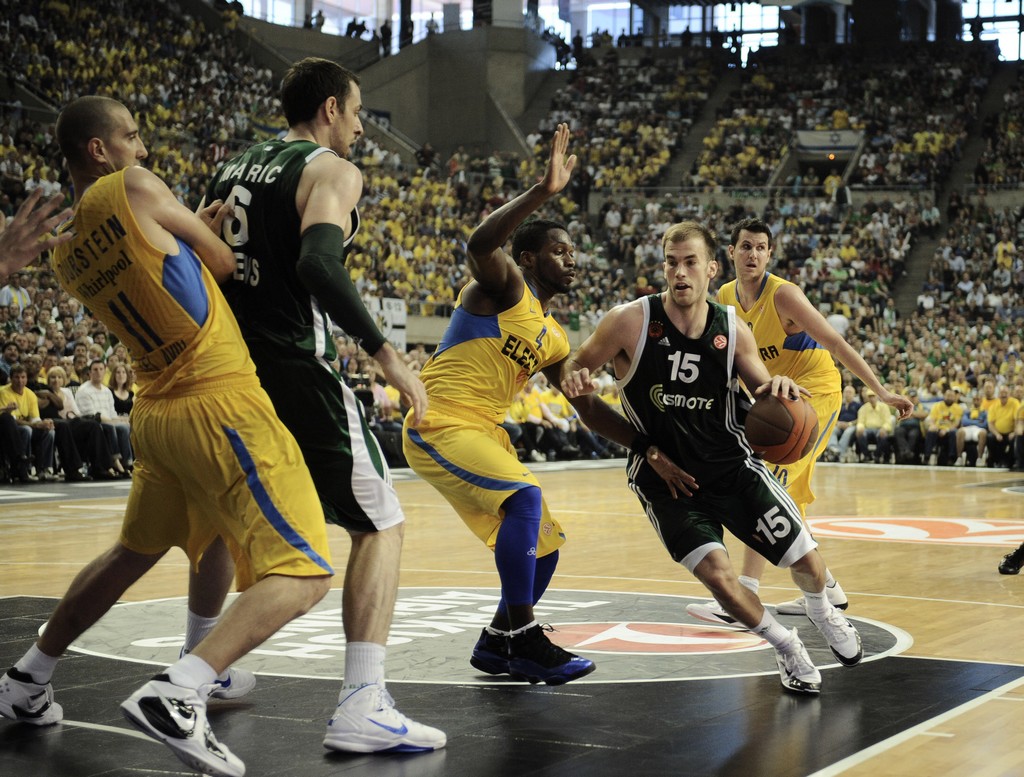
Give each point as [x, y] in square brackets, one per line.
[559, 167]
[24, 236]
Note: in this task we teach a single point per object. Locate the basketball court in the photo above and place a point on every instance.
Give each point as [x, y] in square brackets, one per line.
[940, 691]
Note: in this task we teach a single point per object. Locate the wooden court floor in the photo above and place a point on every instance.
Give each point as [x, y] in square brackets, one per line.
[941, 692]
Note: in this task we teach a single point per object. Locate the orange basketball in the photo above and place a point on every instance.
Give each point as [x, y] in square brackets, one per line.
[782, 430]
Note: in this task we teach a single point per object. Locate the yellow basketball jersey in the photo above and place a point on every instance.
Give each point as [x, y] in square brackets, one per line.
[167, 309]
[797, 356]
[483, 361]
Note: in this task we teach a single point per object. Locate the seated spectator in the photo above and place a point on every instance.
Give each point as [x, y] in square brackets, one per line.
[909, 433]
[971, 436]
[1002, 421]
[95, 399]
[120, 385]
[36, 436]
[874, 426]
[80, 441]
[838, 448]
[940, 430]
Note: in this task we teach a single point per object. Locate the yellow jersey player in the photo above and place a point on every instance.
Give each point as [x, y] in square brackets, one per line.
[793, 339]
[212, 457]
[501, 334]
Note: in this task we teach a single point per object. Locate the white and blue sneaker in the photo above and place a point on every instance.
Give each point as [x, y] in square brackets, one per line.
[26, 701]
[176, 716]
[366, 721]
[233, 684]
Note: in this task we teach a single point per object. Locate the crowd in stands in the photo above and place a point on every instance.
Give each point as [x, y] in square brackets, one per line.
[913, 103]
[1002, 161]
[195, 101]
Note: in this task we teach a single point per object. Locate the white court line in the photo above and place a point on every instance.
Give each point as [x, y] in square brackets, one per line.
[110, 729]
[922, 728]
[673, 581]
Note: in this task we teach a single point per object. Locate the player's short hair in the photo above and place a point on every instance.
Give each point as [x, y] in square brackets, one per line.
[754, 225]
[82, 120]
[308, 83]
[532, 235]
[687, 230]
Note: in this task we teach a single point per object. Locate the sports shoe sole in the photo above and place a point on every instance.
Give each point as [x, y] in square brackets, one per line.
[489, 665]
[797, 607]
[365, 744]
[134, 714]
[534, 678]
[705, 613]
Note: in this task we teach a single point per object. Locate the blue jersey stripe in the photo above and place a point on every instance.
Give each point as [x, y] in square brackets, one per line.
[267, 506]
[465, 326]
[491, 484]
[800, 342]
[183, 280]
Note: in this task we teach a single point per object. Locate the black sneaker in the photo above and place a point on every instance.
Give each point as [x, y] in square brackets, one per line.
[1012, 562]
[490, 654]
[535, 658]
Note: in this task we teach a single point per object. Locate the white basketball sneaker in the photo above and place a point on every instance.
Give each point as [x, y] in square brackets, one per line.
[26, 701]
[836, 597]
[796, 671]
[176, 716]
[366, 721]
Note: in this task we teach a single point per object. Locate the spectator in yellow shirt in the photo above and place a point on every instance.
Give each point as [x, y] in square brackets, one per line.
[875, 423]
[1002, 421]
[940, 429]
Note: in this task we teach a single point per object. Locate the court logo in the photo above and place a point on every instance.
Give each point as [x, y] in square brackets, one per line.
[631, 638]
[942, 531]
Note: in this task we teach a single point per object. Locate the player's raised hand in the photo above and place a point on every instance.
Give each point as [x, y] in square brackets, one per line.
[560, 167]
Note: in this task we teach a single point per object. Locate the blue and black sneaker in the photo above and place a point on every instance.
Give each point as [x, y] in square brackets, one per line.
[490, 654]
[534, 658]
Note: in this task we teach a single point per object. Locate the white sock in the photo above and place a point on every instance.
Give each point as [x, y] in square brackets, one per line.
[37, 665]
[771, 630]
[196, 629]
[364, 665]
[522, 629]
[817, 605]
[496, 632]
[191, 672]
[751, 583]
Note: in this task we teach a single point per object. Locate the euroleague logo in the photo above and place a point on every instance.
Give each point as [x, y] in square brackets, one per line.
[632, 637]
[942, 531]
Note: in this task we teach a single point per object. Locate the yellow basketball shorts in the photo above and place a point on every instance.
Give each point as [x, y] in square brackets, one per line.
[474, 466]
[222, 463]
[796, 477]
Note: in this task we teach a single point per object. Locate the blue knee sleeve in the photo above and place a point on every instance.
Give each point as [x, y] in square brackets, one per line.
[515, 547]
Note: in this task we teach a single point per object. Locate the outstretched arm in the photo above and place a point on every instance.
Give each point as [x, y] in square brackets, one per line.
[490, 265]
[27, 233]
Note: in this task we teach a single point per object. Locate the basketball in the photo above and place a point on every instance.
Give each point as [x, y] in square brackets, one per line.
[782, 430]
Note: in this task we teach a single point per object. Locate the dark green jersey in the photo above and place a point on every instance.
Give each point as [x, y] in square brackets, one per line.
[684, 393]
[265, 293]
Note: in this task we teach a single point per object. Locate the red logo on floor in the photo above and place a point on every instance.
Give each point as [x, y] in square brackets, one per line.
[658, 638]
[943, 531]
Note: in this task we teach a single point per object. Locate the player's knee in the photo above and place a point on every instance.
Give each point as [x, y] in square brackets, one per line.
[313, 590]
[524, 504]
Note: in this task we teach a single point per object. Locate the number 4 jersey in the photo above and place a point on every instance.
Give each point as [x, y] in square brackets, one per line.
[167, 309]
[684, 394]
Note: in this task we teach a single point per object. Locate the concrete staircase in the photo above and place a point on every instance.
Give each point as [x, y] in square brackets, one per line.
[540, 103]
[920, 259]
[678, 172]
